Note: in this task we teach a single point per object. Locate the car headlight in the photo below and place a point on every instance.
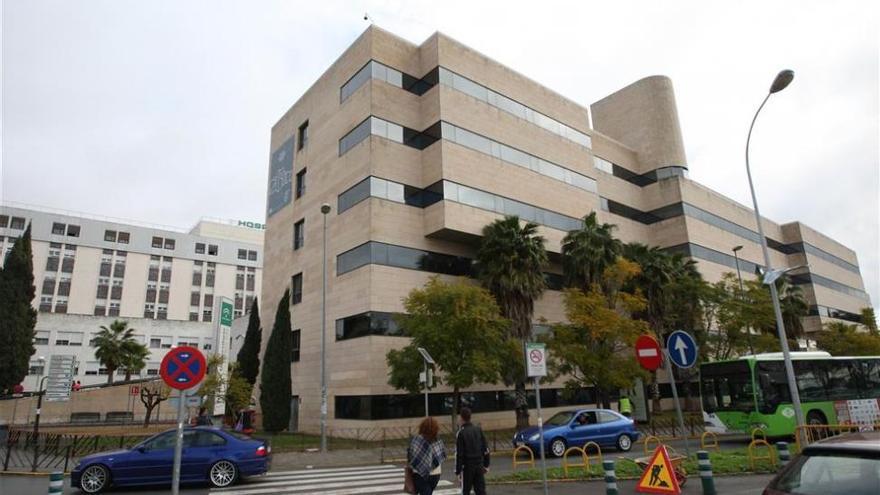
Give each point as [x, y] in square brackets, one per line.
[534, 437]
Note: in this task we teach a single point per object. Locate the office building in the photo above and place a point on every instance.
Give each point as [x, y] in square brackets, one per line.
[417, 147]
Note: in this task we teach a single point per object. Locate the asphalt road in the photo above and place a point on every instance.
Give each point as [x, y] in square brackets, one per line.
[738, 485]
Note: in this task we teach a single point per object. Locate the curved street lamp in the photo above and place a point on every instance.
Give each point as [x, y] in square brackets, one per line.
[783, 79]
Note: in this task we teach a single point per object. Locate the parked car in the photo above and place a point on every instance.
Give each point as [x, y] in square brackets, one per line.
[210, 455]
[847, 464]
[576, 427]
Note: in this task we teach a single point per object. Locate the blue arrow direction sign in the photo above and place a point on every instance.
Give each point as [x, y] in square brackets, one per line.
[682, 349]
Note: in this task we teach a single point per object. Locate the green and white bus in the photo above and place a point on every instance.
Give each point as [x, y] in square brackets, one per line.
[752, 392]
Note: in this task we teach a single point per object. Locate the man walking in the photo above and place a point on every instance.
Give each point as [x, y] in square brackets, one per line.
[471, 456]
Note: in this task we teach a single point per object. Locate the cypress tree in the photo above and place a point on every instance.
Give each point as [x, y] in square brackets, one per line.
[17, 317]
[249, 355]
[275, 382]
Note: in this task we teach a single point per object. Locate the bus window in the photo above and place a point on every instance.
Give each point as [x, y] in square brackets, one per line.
[871, 377]
[727, 386]
[840, 382]
[810, 381]
[772, 386]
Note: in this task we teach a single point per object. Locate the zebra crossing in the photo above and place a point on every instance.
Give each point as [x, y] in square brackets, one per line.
[365, 480]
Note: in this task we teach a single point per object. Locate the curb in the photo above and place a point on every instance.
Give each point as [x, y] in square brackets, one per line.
[29, 473]
[600, 480]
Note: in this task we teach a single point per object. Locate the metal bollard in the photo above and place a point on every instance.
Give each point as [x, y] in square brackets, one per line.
[56, 483]
[705, 466]
[784, 454]
[610, 478]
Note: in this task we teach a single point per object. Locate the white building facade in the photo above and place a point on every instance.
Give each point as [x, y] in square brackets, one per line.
[165, 282]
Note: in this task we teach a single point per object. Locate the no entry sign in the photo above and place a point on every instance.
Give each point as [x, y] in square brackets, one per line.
[648, 352]
[183, 367]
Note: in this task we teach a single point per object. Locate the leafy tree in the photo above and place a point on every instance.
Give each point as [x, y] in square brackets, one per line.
[214, 383]
[594, 349]
[152, 394]
[275, 382]
[869, 319]
[460, 325]
[116, 346]
[249, 355]
[739, 312]
[17, 316]
[238, 390]
[588, 251]
[134, 357]
[794, 307]
[510, 262]
[235, 389]
[841, 339]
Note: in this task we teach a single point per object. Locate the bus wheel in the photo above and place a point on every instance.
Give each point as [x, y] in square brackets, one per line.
[815, 419]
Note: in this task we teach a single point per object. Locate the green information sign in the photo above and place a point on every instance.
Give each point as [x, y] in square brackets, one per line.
[226, 313]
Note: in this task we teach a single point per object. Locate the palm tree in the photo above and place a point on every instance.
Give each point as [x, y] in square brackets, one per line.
[134, 357]
[793, 305]
[114, 345]
[588, 251]
[510, 263]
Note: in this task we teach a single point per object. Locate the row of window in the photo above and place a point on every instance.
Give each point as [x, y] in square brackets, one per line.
[14, 223]
[679, 209]
[63, 338]
[380, 253]
[700, 252]
[119, 237]
[467, 86]
[838, 314]
[247, 254]
[514, 156]
[386, 189]
[69, 230]
[640, 180]
[374, 407]
[468, 139]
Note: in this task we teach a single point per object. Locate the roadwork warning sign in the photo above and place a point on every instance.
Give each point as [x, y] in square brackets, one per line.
[659, 476]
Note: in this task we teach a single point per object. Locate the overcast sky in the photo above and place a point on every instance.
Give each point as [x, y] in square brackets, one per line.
[160, 111]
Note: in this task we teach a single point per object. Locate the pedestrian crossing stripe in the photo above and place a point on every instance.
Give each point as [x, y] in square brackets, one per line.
[659, 476]
[364, 480]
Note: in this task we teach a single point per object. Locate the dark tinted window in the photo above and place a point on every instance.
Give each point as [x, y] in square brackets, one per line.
[369, 323]
[296, 288]
[295, 345]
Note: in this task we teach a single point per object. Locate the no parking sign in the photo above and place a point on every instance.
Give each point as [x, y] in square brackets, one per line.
[536, 359]
[183, 367]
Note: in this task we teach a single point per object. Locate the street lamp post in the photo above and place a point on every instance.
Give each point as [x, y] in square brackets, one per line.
[742, 297]
[325, 209]
[428, 360]
[43, 378]
[782, 80]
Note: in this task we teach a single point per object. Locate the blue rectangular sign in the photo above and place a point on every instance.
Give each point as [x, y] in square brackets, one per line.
[280, 178]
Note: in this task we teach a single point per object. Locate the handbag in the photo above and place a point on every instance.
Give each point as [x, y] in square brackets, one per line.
[409, 485]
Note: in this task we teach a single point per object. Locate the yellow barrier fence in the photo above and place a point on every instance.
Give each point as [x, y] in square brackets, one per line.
[650, 439]
[598, 453]
[759, 432]
[531, 460]
[705, 445]
[754, 447]
[585, 463]
[807, 434]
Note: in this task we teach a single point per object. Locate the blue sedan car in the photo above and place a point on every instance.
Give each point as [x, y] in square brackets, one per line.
[210, 455]
[576, 427]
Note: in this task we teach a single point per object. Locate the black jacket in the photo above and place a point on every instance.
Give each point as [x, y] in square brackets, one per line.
[470, 447]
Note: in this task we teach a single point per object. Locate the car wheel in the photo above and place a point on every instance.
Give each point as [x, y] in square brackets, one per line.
[624, 443]
[94, 479]
[222, 473]
[557, 447]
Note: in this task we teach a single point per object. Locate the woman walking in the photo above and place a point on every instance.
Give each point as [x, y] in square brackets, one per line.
[425, 457]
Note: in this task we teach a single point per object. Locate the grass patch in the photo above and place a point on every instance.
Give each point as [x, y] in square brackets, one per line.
[727, 462]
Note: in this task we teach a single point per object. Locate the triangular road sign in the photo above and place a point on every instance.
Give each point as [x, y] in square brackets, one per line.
[659, 476]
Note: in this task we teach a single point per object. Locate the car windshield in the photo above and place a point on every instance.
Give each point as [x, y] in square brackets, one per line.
[560, 419]
[831, 475]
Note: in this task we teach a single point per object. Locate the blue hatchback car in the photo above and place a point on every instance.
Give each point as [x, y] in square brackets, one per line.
[210, 455]
[576, 427]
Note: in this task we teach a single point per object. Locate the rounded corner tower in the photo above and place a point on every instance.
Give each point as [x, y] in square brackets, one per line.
[644, 117]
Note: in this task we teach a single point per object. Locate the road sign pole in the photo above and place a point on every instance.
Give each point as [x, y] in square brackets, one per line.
[668, 365]
[541, 433]
[178, 444]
